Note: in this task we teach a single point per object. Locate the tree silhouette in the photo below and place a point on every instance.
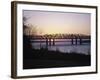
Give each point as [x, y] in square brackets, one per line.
[27, 48]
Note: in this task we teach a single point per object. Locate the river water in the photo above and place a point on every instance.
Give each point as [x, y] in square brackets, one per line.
[63, 45]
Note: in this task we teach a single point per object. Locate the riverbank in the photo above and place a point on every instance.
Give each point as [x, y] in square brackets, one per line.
[44, 58]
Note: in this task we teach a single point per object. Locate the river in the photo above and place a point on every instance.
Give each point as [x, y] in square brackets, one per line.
[64, 45]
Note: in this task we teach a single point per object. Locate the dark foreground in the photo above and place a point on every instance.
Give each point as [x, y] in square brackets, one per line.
[49, 59]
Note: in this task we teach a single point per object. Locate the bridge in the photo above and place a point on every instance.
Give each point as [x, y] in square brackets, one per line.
[50, 38]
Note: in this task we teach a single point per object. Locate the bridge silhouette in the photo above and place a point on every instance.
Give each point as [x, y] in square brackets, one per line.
[50, 38]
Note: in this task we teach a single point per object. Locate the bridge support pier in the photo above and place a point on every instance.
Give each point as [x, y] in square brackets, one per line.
[72, 40]
[76, 41]
[53, 42]
[46, 43]
[80, 41]
[49, 41]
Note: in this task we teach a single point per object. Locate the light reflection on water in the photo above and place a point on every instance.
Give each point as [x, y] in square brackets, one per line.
[63, 46]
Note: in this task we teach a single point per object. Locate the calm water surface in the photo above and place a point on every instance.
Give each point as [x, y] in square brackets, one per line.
[63, 45]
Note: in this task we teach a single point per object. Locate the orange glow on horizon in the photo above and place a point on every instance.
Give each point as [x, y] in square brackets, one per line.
[46, 22]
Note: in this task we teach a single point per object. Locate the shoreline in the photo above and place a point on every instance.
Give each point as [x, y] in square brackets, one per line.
[49, 59]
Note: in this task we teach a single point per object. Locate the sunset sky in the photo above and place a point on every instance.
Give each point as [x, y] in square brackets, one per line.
[48, 22]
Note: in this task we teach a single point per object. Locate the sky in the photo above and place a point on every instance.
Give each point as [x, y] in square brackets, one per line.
[50, 22]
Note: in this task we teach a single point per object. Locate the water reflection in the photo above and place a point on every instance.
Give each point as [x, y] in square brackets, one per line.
[63, 45]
